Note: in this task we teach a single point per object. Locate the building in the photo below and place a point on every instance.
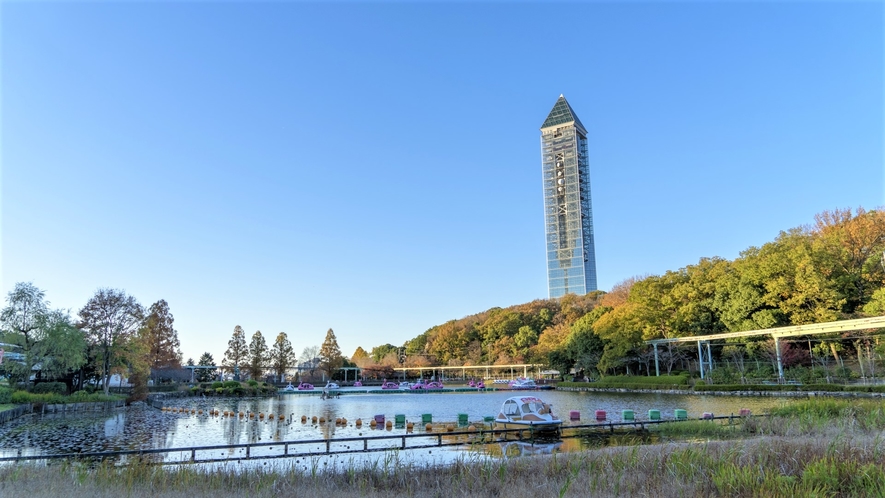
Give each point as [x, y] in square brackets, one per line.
[568, 217]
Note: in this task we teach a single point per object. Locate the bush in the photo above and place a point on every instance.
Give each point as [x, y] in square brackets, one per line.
[217, 384]
[5, 395]
[252, 382]
[231, 383]
[50, 388]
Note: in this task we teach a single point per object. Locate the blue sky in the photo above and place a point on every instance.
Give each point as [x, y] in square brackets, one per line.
[375, 168]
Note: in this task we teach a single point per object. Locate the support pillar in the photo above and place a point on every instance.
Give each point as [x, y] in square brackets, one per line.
[701, 359]
[657, 368]
[780, 364]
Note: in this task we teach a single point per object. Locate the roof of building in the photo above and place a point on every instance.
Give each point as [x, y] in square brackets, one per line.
[562, 113]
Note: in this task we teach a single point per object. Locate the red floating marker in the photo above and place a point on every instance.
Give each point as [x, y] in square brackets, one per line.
[600, 414]
[745, 412]
[574, 415]
[707, 415]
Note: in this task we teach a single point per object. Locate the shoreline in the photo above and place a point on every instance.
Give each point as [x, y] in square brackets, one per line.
[794, 394]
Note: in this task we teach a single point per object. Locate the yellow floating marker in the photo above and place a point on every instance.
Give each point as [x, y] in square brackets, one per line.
[428, 427]
[359, 422]
[373, 423]
[471, 428]
[303, 419]
[313, 419]
[450, 427]
[281, 417]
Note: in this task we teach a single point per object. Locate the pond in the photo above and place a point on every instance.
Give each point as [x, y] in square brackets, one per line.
[144, 427]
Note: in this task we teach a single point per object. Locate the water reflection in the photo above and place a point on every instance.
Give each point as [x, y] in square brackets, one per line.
[142, 427]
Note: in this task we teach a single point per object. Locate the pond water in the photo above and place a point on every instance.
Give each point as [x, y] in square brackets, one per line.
[143, 427]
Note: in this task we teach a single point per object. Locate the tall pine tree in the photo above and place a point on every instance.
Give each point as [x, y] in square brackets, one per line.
[259, 356]
[282, 356]
[205, 374]
[161, 339]
[330, 355]
[237, 351]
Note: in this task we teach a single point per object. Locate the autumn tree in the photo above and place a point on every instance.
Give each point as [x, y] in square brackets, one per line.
[359, 354]
[330, 354]
[259, 356]
[205, 374]
[282, 356]
[237, 352]
[163, 347]
[111, 319]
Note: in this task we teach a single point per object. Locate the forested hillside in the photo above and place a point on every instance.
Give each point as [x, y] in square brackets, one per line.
[830, 270]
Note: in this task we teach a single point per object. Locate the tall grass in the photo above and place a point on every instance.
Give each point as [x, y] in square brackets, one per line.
[849, 465]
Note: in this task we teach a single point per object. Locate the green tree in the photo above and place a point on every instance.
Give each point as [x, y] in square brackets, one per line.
[44, 337]
[330, 354]
[379, 352]
[235, 356]
[63, 349]
[111, 319]
[259, 356]
[164, 351]
[282, 356]
[205, 374]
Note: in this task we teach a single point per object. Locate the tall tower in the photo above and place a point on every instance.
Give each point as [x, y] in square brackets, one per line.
[571, 254]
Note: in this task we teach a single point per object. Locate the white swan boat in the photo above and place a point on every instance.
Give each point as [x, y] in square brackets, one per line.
[527, 412]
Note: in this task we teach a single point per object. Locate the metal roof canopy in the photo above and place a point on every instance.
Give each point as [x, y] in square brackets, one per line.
[776, 333]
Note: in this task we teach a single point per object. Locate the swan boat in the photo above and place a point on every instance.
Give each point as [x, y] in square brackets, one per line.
[527, 412]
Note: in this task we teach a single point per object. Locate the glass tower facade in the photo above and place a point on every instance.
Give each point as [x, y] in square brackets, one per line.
[571, 255]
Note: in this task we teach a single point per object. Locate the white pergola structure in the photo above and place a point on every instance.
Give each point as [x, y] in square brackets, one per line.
[705, 358]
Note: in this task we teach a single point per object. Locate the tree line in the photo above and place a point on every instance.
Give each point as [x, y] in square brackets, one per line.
[830, 270]
[111, 334]
[256, 359]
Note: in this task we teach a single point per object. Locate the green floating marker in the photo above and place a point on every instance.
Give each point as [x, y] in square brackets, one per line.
[654, 414]
[680, 414]
[627, 415]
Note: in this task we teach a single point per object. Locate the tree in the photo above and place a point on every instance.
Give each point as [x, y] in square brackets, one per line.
[111, 318]
[237, 351]
[23, 317]
[282, 356]
[135, 359]
[259, 356]
[359, 354]
[162, 339]
[310, 358]
[63, 349]
[330, 354]
[205, 374]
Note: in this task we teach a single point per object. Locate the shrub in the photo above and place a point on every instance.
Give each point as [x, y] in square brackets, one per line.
[51, 388]
[217, 384]
[5, 395]
[231, 383]
[252, 382]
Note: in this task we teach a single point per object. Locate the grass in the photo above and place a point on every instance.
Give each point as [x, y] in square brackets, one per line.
[776, 466]
[825, 448]
[6, 406]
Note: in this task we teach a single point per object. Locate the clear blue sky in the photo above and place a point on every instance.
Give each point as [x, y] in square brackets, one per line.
[375, 168]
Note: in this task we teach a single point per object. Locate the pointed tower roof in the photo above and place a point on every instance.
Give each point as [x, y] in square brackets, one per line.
[562, 113]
